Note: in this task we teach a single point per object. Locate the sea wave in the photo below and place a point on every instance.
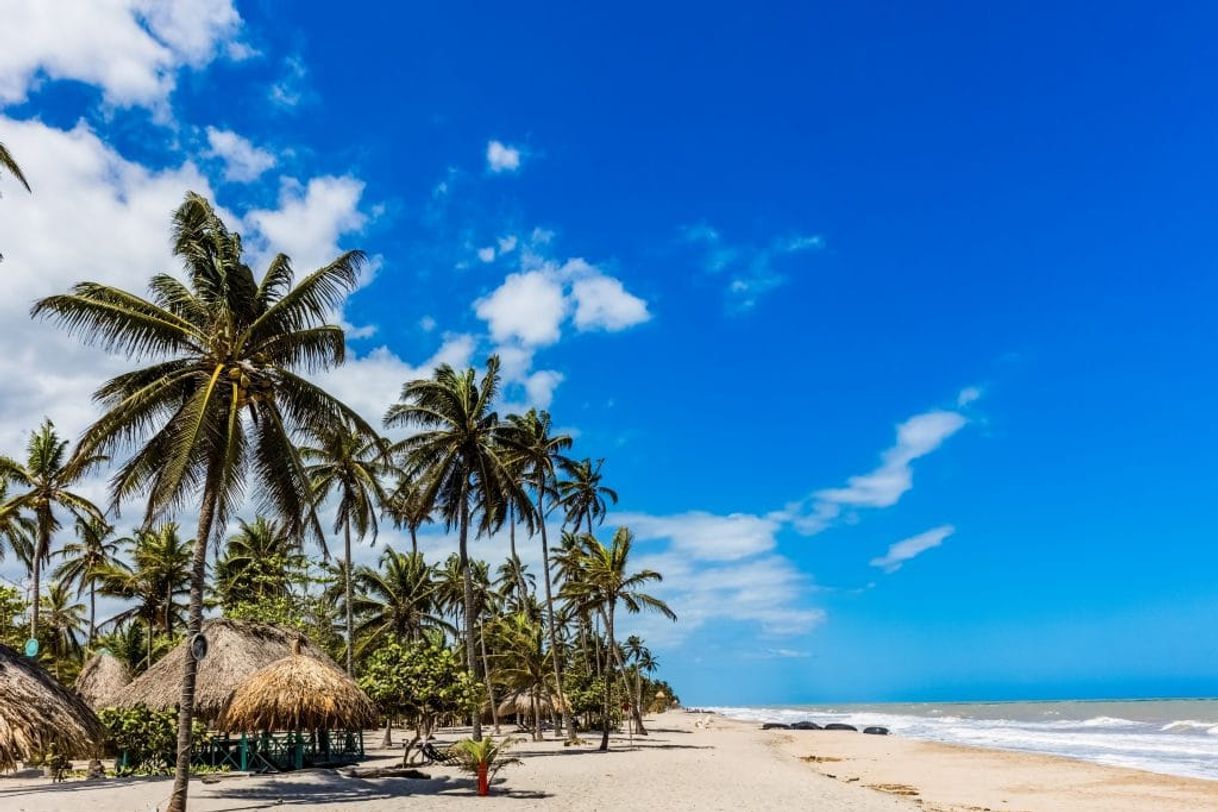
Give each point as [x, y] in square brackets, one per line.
[1183, 747]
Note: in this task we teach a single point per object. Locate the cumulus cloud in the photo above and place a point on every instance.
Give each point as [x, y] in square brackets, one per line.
[752, 270]
[705, 536]
[968, 395]
[309, 220]
[243, 162]
[602, 302]
[912, 547]
[528, 307]
[131, 49]
[502, 158]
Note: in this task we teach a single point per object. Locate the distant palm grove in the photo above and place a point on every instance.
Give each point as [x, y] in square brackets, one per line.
[245, 487]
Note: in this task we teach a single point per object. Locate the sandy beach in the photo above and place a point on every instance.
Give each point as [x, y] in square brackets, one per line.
[690, 761]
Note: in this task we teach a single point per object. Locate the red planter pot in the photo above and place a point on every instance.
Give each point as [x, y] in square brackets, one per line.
[484, 784]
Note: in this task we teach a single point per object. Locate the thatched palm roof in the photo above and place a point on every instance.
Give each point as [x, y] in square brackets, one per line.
[236, 649]
[298, 693]
[37, 713]
[101, 678]
[521, 704]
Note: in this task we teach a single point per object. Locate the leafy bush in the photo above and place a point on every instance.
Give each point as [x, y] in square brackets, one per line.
[148, 737]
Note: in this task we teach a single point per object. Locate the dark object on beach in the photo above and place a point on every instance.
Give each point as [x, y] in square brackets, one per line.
[805, 726]
[775, 726]
[840, 726]
[433, 755]
[876, 731]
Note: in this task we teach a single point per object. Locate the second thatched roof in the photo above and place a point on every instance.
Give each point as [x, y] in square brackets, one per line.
[521, 704]
[101, 679]
[236, 649]
[298, 693]
[37, 714]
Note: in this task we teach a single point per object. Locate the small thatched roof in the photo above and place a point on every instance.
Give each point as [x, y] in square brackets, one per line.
[36, 713]
[521, 704]
[298, 693]
[101, 678]
[236, 649]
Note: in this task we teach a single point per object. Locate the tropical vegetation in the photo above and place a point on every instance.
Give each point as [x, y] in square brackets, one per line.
[222, 439]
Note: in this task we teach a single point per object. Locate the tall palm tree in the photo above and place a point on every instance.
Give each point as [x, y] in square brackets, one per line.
[349, 463]
[538, 452]
[217, 408]
[406, 507]
[514, 581]
[9, 163]
[397, 600]
[638, 654]
[84, 559]
[44, 480]
[63, 626]
[604, 582]
[257, 562]
[582, 495]
[458, 454]
[157, 578]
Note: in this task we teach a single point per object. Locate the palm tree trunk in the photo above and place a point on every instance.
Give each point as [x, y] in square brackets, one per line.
[638, 702]
[92, 612]
[190, 670]
[471, 653]
[608, 678]
[554, 651]
[347, 590]
[414, 539]
[387, 742]
[536, 714]
[486, 667]
[44, 543]
[148, 662]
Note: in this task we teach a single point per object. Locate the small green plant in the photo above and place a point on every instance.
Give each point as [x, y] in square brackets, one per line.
[484, 758]
[145, 740]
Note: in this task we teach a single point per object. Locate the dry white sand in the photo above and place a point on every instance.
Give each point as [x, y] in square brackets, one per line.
[682, 765]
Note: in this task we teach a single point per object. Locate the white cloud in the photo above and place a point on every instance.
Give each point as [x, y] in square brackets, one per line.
[427, 324]
[886, 484]
[486, 254]
[911, 547]
[540, 386]
[705, 536]
[289, 91]
[310, 220]
[507, 244]
[502, 158]
[601, 302]
[968, 394]
[130, 49]
[243, 162]
[528, 307]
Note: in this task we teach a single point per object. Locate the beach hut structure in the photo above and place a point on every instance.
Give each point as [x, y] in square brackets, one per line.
[236, 650]
[38, 715]
[320, 708]
[101, 678]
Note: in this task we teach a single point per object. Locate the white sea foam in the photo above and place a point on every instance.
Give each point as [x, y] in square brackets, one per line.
[1175, 747]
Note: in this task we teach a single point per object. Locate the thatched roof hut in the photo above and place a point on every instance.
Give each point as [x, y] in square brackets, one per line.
[37, 713]
[298, 693]
[236, 649]
[521, 704]
[101, 678]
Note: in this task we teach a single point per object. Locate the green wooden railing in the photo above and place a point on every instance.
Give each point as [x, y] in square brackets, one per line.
[276, 752]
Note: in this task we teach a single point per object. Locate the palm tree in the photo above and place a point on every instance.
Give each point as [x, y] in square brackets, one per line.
[397, 600]
[84, 559]
[221, 399]
[538, 453]
[64, 623]
[514, 581]
[406, 507]
[640, 656]
[45, 479]
[349, 463]
[9, 163]
[582, 495]
[17, 530]
[522, 662]
[604, 581]
[156, 579]
[257, 563]
[458, 455]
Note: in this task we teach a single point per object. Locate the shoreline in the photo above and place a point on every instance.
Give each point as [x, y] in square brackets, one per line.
[690, 761]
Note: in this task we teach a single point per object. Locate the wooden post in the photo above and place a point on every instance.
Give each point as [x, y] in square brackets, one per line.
[245, 753]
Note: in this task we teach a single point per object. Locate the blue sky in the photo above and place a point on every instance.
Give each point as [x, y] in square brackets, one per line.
[894, 325]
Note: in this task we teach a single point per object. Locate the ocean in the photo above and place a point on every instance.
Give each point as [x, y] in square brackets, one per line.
[1172, 736]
